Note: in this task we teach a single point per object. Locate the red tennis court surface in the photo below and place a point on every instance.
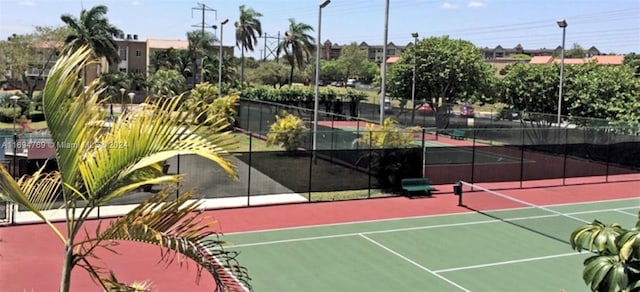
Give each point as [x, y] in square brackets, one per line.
[30, 256]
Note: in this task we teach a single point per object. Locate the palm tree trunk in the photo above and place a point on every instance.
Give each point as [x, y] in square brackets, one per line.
[291, 75]
[67, 267]
[241, 67]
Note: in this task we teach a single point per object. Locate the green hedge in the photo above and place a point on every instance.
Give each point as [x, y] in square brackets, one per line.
[300, 96]
[7, 114]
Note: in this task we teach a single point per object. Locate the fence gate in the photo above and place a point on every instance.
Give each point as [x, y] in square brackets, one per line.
[6, 213]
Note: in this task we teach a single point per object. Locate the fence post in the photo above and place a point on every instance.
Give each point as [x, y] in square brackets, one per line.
[424, 157]
[369, 166]
[522, 135]
[313, 154]
[566, 149]
[473, 157]
[249, 174]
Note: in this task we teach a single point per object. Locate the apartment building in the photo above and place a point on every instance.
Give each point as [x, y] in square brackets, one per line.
[501, 52]
[135, 55]
[331, 51]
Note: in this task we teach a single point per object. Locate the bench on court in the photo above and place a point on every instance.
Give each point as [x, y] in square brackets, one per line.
[412, 185]
[457, 134]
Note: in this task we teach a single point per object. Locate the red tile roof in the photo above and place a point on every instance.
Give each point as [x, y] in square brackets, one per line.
[541, 60]
[602, 60]
[166, 44]
[609, 59]
[393, 59]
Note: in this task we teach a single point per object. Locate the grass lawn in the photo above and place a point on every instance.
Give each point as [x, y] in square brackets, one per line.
[257, 145]
[37, 126]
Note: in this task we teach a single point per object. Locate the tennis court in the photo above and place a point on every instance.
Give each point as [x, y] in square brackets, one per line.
[501, 244]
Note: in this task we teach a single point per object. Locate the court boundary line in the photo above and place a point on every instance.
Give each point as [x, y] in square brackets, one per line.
[508, 262]
[468, 223]
[414, 263]
[626, 213]
[421, 217]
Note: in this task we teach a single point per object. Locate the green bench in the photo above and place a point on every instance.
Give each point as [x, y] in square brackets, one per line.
[457, 134]
[412, 185]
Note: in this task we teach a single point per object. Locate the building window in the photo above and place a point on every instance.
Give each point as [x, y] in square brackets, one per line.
[123, 54]
[138, 53]
[123, 70]
[391, 52]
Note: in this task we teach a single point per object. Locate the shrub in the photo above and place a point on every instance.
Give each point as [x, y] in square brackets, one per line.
[288, 131]
[7, 114]
[390, 135]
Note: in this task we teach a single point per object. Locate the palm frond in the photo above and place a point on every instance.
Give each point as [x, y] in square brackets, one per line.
[35, 193]
[147, 139]
[67, 119]
[174, 226]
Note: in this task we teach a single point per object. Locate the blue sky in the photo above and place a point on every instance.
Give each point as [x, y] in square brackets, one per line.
[610, 25]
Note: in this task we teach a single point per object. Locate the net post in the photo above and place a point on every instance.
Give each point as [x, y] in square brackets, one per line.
[457, 190]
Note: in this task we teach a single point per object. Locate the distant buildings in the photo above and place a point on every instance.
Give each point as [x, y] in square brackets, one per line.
[331, 51]
[135, 55]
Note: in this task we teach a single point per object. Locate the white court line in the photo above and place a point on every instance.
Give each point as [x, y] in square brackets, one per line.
[621, 210]
[507, 262]
[424, 216]
[413, 228]
[360, 233]
[414, 263]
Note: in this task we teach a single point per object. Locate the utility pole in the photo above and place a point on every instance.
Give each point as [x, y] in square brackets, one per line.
[203, 8]
[269, 48]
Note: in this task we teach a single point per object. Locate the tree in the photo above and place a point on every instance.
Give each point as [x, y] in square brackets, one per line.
[32, 53]
[590, 90]
[167, 83]
[532, 88]
[200, 44]
[615, 265]
[97, 166]
[633, 60]
[93, 29]
[248, 29]
[576, 52]
[453, 70]
[297, 45]
[604, 92]
[352, 59]
[270, 73]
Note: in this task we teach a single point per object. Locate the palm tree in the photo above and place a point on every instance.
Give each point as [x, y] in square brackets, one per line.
[93, 29]
[199, 44]
[297, 44]
[248, 29]
[90, 177]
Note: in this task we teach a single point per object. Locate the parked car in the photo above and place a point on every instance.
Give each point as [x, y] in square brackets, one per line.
[351, 83]
[388, 108]
[424, 109]
[466, 110]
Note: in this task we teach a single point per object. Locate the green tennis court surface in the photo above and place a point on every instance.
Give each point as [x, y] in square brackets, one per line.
[517, 248]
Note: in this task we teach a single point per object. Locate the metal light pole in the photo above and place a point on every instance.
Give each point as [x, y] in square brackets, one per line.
[413, 84]
[323, 4]
[563, 24]
[122, 90]
[131, 95]
[220, 57]
[383, 70]
[14, 99]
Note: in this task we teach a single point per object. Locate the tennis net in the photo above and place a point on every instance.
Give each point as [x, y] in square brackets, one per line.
[539, 219]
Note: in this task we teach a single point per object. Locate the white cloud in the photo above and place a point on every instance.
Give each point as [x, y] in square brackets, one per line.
[476, 4]
[135, 3]
[447, 5]
[27, 3]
